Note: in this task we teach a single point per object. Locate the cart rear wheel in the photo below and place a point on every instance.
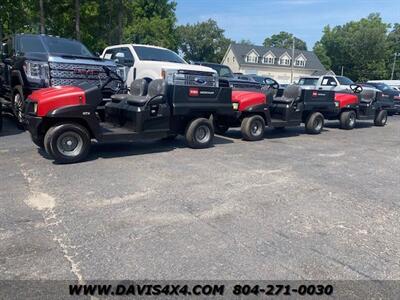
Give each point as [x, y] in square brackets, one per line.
[199, 133]
[315, 123]
[253, 128]
[67, 143]
[381, 118]
[348, 120]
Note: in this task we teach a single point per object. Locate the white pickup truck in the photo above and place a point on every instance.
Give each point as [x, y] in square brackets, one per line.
[327, 83]
[151, 62]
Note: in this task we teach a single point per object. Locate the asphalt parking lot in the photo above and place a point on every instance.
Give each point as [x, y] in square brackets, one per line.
[292, 206]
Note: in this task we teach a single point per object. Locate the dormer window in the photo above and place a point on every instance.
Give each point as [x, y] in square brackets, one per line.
[252, 57]
[285, 59]
[300, 61]
[269, 58]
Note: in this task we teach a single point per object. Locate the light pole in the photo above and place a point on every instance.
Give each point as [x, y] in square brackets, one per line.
[394, 64]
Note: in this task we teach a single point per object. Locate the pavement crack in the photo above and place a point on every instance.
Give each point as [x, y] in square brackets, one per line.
[46, 204]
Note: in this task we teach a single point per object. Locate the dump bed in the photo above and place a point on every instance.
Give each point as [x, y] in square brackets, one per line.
[190, 100]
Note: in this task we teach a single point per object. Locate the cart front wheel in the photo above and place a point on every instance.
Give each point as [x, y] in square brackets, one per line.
[199, 133]
[67, 143]
[253, 128]
[348, 120]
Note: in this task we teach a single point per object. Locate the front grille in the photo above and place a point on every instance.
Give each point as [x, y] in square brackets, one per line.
[75, 74]
[195, 79]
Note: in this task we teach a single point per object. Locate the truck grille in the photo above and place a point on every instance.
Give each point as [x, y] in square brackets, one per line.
[193, 78]
[75, 74]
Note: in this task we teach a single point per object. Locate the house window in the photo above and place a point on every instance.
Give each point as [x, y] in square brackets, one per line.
[252, 58]
[284, 61]
[268, 60]
[233, 59]
[300, 63]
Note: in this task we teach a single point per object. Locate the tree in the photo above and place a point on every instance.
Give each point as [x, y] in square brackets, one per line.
[393, 41]
[151, 22]
[320, 51]
[284, 40]
[77, 19]
[359, 46]
[245, 42]
[203, 41]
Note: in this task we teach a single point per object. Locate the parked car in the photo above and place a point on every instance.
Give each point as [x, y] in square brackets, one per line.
[387, 91]
[151, 62]
[264, 81]
[30, 62]
[226, 74]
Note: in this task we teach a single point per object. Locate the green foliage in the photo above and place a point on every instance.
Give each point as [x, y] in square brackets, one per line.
[284, 40]
[320, 51]
[203, 41]
[393, 46]
[359, 46]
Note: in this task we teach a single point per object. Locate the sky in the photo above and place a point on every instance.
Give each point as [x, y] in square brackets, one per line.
[254, 20]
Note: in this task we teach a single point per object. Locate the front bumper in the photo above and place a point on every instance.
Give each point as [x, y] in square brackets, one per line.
[32, 124]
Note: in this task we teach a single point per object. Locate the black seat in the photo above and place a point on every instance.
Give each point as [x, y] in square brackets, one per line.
[290, 94]
[157, 89]
[367, 95]
[138, 89]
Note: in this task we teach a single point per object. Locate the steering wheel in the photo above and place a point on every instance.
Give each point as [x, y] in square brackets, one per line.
[111, 76]
[356, 88]
[274, 85]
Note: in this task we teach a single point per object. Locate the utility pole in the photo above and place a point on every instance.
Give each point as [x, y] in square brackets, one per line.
[41, 8]
[342, 71]
[291, 69]
[394, 64]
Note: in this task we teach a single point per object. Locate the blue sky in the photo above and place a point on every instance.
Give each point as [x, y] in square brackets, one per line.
[256, 19]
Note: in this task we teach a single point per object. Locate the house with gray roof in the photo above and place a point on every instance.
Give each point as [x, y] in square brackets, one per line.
[272, 62]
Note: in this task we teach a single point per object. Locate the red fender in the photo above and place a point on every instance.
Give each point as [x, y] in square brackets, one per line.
[247, 99]
[51, 98]
[346, 99]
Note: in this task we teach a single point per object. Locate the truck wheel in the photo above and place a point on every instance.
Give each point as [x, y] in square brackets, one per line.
[18, 104]
[348, 120]
[67, 143]
[315, 123]
[253, 128]
[381, 118]
[199, 133]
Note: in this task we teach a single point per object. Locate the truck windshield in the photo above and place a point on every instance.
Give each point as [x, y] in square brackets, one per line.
[66, 47]
[344, 80]
[157, 54]
[223, 71]
[308, 81]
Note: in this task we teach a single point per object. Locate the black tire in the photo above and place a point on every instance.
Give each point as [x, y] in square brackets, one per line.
[199, 133]
[220, 128]
[38, 141]
[315, 123]
[18, 105]
[348, 120]
[67, 143]
[1, 116]
[253, 128]
[381, 118]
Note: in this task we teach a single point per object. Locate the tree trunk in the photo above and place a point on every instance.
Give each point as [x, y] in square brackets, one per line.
[120, 20]
[42, 23]
[77, 19]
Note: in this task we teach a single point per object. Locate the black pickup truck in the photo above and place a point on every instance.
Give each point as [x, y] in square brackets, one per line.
[29, 62]
[227, 78]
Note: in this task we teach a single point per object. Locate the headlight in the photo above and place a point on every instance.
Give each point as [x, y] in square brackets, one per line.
[35, 108]
[235, 105]
[336, 104]
[37, 71]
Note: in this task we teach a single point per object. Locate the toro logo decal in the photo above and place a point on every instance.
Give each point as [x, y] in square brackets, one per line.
[193, 92]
